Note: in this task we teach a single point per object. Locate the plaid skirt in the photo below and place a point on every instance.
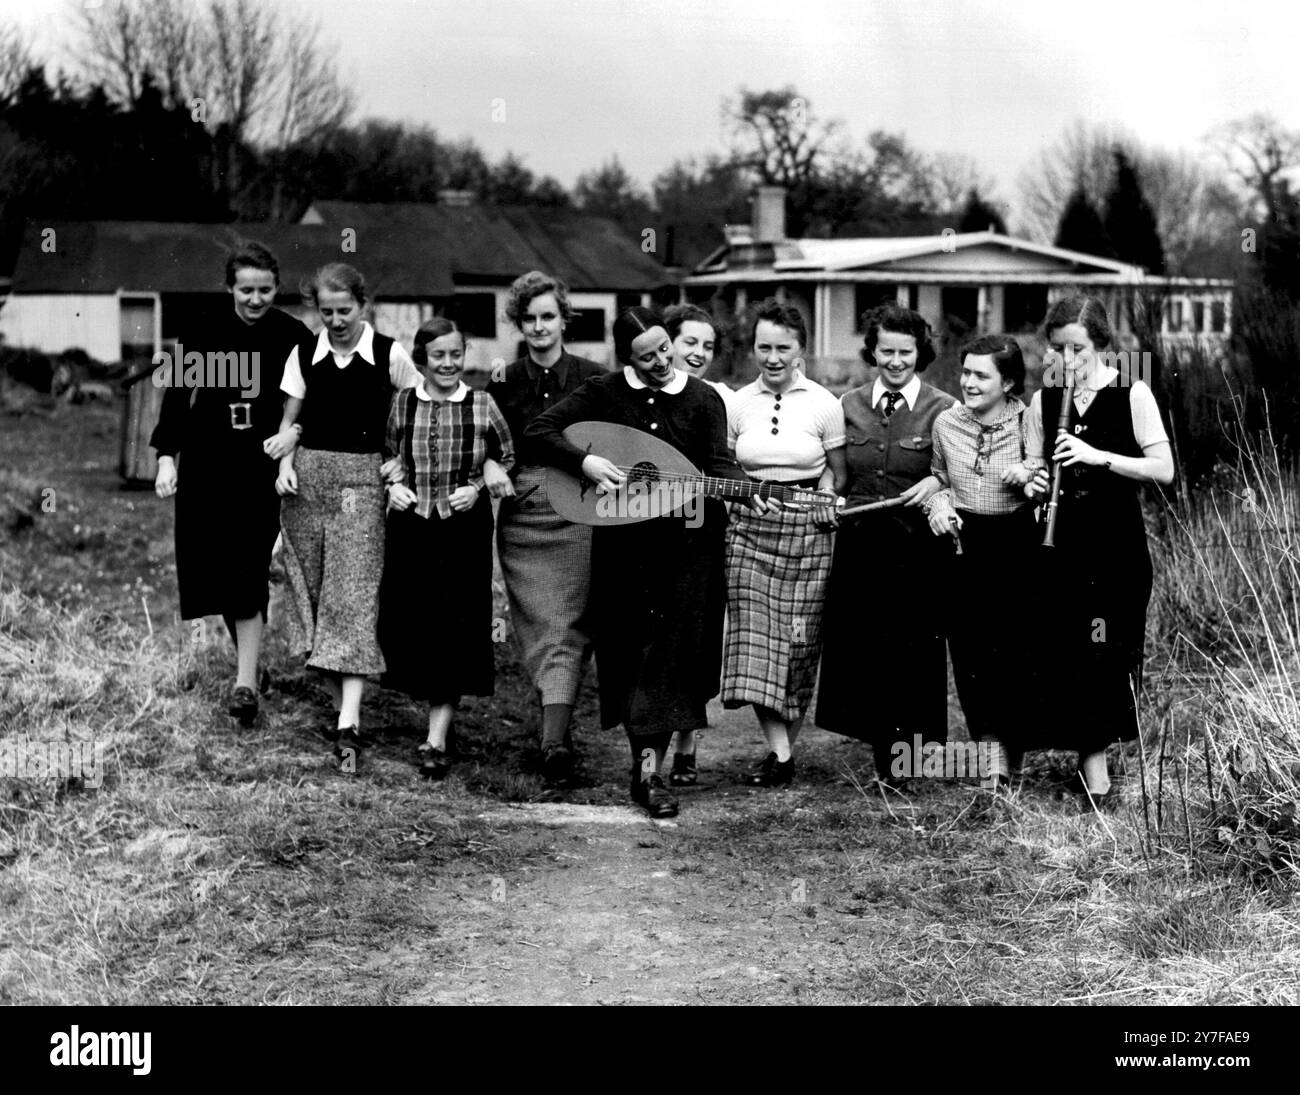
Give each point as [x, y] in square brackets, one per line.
[546, 563]
[334, 559]
[777, 568]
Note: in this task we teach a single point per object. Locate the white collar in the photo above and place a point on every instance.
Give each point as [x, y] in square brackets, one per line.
[798, 383]
[365, 347]
[911, 390]
[458, 396]
[673, 387]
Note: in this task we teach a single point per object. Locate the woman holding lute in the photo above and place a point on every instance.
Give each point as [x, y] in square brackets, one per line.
[884, 675]
[785, 429]
[696, 340]
[651, 581]
[1098, 567]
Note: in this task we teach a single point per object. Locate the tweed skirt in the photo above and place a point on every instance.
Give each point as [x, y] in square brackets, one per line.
[334, 560]
[777, 569]
[546, 563]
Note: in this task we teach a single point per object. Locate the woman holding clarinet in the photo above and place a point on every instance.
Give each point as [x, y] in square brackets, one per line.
[1108, 439]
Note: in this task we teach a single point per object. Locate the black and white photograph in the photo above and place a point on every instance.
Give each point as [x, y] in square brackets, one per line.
[651, 503]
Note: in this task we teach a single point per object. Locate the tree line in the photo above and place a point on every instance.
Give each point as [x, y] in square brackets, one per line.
[233, 109]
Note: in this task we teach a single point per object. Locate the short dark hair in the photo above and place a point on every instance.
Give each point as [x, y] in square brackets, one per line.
[1088, 312]
[900, 321]
[788, 316]
[249, 254]
[1006, 355]
[527, 287]
[430, 331]
[677, 314]
[631, 323]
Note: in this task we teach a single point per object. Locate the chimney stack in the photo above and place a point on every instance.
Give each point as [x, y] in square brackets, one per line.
[769, 214]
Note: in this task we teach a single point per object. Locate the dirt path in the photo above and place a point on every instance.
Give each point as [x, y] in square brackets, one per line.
[626, 910]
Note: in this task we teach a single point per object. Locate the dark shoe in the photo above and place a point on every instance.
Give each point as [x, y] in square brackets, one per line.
[243, 705]
[683, 773]
[348, 750]
[330, 732]
[654, 796]
[771, 773]
[434, 763]
[557, 762]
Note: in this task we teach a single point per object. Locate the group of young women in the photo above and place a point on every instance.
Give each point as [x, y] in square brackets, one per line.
[380, 468]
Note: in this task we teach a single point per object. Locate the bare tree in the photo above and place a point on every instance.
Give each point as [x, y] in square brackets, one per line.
[953, 175]
[262, 78]
[1260, 152]
[113, 46]
[16, 60]
[310, 99]
[1081, 159]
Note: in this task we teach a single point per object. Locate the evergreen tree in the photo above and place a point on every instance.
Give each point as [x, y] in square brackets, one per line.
[1130, 222]
[979, 216]
[1081, 228]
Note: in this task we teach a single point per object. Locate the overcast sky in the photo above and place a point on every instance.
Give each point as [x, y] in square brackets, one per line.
[584, 80]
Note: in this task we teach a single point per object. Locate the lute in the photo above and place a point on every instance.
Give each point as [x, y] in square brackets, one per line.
[660, 480]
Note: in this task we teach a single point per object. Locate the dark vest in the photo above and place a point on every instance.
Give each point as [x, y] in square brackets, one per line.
[1107, 425]
[886, 457]
[346, 410]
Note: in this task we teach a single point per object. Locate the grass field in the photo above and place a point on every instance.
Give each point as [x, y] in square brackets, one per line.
[224, 866]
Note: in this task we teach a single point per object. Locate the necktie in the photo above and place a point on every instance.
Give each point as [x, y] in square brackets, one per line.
[890, 402]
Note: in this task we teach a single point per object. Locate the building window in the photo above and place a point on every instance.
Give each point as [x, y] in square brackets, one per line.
[587, 326]
[623, 301]
[1198, 316]
[1175, 315]
[1218, 317]
[868, 295]
[475, 314]
[1023, 308]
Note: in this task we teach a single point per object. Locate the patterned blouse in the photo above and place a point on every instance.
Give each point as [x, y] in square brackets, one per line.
[442, 446]
[969, 459]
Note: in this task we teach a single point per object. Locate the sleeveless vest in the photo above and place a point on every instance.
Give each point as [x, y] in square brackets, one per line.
[346, 410]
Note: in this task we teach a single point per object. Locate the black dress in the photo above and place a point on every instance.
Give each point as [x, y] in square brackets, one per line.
[655, 585]
[227, 511]
[1099, 577]
[884, 673]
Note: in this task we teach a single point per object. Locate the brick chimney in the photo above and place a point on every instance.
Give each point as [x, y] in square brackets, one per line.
[769, 214]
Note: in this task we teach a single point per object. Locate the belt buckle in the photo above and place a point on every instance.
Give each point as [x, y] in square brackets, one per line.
[235, 423]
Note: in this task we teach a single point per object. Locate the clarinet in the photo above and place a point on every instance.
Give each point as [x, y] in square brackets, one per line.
[1062, 423]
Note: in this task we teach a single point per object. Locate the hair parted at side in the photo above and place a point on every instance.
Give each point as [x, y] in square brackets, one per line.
[899, 321]
[1088, 312]
[788, 316]
[249, 254]
[527, 287]
[631, 323]
[1006, 354]
[677, 314]
[335, 277]
[430, 331]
